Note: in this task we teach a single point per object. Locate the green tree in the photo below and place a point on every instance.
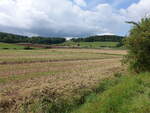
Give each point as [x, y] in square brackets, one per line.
[138, 45]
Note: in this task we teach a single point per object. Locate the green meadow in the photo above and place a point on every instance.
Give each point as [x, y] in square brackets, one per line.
[89, 44]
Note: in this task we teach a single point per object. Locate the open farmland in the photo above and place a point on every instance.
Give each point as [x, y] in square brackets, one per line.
[25, 75]
[89, 44]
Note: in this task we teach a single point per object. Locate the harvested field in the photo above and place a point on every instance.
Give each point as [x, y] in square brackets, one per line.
[31, 56]
[60, 71]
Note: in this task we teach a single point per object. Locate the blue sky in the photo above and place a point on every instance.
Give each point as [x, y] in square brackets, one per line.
[70, 18]
[115, 3]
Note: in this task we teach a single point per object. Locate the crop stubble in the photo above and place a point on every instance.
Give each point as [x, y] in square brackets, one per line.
[19, 81]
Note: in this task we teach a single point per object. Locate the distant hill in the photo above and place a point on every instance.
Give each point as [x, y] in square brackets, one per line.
[13, 38]
[97, 38]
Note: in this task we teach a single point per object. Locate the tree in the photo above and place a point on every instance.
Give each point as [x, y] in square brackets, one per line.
[13, 38]
[138, 45]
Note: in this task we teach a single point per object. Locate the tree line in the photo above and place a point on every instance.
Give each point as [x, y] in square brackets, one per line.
[13, 38]
[104, 38]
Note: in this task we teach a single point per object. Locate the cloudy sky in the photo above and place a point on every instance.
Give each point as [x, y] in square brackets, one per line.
[70, 17]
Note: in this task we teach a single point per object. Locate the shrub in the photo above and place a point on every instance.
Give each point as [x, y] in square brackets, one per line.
[5, 48]
[120, 44]
[28, 48]
[138, 45]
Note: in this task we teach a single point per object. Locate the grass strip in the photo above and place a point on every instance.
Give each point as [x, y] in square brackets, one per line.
[130, 95]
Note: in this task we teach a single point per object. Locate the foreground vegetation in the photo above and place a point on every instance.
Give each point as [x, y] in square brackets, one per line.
[138, 45]
[119, 94]
[124, 94]
[131, 93]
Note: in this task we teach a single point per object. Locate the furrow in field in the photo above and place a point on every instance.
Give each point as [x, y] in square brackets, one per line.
[72, 76]
[52, 60]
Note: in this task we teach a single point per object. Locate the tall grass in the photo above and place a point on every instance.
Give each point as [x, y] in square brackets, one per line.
[130, 95]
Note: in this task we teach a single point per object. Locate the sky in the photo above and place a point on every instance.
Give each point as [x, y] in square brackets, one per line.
[70, 18]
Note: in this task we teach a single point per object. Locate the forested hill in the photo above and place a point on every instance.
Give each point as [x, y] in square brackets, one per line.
[103, 38]
[13, 38]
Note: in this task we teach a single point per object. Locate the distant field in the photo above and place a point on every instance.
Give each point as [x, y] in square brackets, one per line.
[68, 44]
[89, 44]
[10, 46]
[25, 75]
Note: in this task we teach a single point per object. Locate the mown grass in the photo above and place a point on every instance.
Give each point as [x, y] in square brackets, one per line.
[89, 44]
[10, 46]
[131, 94]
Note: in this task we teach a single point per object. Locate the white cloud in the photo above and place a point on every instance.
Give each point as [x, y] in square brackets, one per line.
[80, 3]
[66, 18]
[137, 10]
[105, 34]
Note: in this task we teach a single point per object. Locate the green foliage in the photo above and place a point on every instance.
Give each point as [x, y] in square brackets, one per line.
[138, 44]
[89, 44]
[129, 94]
[120, 44]
[104, 38]
[28, 48]
[13, 38]
[10, 46]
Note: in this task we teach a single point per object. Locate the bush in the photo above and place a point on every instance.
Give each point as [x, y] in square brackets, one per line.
[28, 48]
[120, 44]
[5, 48]
[138, 45]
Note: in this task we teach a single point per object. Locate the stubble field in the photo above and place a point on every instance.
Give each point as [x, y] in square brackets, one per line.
[57, 73]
